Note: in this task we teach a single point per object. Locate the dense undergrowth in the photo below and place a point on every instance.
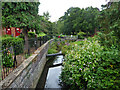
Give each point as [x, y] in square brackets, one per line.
[92, 63]
[57, 45]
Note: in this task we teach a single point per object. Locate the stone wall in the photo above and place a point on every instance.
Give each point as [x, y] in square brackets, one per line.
[29, 72]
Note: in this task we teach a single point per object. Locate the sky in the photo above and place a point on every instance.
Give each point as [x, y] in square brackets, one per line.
[57, 8]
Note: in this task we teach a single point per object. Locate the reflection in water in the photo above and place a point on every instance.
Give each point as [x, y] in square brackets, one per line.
[53, 77]
[58, 60]
[50, 76]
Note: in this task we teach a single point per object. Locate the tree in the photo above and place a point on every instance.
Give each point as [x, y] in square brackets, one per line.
[109, 19]
[76, 20]
[46, 15]
[21, 14]
[46, 26]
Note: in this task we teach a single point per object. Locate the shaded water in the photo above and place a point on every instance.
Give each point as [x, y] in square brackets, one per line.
[51, 73]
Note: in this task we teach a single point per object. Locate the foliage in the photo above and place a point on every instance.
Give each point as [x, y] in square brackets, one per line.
[81, 35]
[107, 40]
[20, 14]
[16, 43]
[41, 34]
[57, 45]
[46, 15]
[31, 34]
[58, 27]
[7, 43]
[6, 35]
[76, 20]
[21, 36]
[7, 59]
[23, 15]
[95, 63]
[109, 19]
[52, 48]
[88, 65]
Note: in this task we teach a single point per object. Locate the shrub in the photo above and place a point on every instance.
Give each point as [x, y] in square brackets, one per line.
[52, 48]
[31, 34]
[7, 42]
[16, 43]
[108, 39]
[7, 59]
[90, 65]
[21, 36]
[81, 35]
[41, 34]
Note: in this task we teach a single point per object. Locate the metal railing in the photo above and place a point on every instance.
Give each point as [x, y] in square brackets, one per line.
[9, 57]
[9, 62]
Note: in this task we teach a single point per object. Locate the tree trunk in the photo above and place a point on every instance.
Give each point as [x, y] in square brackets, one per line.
[26, 41]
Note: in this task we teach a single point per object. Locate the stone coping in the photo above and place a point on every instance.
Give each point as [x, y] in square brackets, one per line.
[15, 73]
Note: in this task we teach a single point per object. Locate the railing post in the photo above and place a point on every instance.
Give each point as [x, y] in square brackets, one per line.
[15, 61]
[36, 43]
[43, 40]
[28, 47]
[46, 39]
[40, 41]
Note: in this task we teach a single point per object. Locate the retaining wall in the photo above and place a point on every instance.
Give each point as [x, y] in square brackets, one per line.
[29, 72]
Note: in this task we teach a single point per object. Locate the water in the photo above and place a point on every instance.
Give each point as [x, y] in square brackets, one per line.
[53, 77]
[51, 73]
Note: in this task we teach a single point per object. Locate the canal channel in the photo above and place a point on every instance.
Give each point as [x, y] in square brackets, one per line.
[51, 73]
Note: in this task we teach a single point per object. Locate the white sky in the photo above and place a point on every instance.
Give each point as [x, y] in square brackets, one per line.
[56, 8]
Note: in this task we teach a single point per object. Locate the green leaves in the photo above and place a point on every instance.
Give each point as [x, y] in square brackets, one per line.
[20, 14]
[76, 20]
[91, 65]
[12, 41]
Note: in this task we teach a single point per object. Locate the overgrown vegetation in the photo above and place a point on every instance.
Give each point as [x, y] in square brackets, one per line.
[57, 45]
[88, 64]
[8, 42]
[16, 43]
[94, 63]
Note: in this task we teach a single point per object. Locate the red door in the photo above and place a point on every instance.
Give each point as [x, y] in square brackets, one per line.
[8, 31]
[17, 32]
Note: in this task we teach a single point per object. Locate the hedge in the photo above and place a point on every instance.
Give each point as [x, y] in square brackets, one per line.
[16, 43]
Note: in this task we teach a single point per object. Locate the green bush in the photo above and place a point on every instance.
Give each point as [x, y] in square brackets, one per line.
[41, 34]
[16, 43]
[7, 42]
[6, 35]
[108, 39]
[81, 35]
[88, 65]
[31, 34]
[7, 59]
[21, 36]
[52, 48]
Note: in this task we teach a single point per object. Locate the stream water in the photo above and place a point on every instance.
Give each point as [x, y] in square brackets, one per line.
[51, 73]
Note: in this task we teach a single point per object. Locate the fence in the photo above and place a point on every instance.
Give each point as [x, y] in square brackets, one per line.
[10, 60]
